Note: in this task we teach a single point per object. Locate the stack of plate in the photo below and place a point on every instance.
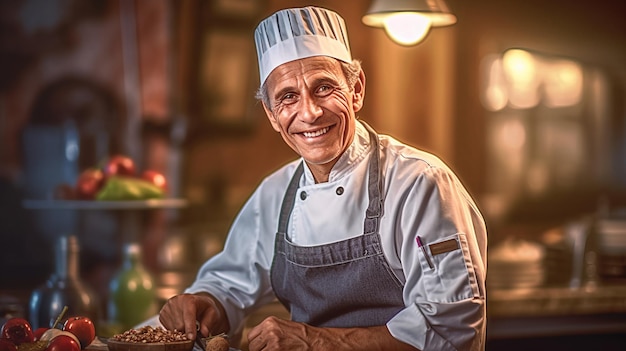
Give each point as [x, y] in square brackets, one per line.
[612, 236]
[516, 264]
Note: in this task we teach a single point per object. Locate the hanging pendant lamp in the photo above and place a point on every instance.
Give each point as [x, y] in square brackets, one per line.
[407, 22]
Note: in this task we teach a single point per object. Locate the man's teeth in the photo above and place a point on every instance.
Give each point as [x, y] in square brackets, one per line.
[316, 133]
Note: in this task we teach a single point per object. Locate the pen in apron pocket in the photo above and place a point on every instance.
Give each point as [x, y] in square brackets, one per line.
[421, 246]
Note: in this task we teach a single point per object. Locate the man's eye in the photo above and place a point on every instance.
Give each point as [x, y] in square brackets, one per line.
[288, 98]
[324, 90]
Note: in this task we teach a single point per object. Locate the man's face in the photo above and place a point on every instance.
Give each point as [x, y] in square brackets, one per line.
[313, 108]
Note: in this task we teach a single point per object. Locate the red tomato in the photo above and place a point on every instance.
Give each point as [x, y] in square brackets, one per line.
[83, 328]
[17, 331]
[6, 345]
[155, 177]
[119, 165]
[89, 183]
[63, 343]
[38, 333]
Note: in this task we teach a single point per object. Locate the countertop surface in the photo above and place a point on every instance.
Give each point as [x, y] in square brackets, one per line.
[557, 301]
[550, 311]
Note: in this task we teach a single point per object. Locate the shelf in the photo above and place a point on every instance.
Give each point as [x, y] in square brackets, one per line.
[104, 205]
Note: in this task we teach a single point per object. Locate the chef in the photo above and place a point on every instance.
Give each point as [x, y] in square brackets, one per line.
[371, 244]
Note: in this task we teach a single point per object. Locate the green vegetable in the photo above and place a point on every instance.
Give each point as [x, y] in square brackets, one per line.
[119, 188]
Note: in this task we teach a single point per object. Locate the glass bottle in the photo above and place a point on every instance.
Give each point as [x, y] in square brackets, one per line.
[132, 295]
[63, 288]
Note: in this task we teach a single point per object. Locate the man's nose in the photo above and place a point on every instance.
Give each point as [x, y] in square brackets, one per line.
[310, 110]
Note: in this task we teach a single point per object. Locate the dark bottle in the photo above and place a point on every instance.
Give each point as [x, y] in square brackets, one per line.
[63, 288]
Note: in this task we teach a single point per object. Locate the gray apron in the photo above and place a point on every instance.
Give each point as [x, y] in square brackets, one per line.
[348, 283]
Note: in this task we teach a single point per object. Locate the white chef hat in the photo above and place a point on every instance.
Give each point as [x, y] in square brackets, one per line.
[297, 33]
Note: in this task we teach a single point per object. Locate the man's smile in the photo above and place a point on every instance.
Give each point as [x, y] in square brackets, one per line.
[316, 133]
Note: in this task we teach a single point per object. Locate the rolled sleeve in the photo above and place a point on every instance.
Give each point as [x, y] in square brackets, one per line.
[441, 326]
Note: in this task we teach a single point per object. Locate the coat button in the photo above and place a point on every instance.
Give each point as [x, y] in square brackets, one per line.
[303, 195]
[339, 190]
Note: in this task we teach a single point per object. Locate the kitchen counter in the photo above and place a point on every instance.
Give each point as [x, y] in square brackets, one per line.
[557, 301]
[556, 311]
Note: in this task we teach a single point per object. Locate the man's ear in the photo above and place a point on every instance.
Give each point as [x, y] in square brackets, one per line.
[271, 118]
[359, 92]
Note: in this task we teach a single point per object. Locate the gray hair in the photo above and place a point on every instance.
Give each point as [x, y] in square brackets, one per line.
[350, 71]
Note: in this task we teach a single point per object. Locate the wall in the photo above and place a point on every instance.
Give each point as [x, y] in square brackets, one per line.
[591, 34]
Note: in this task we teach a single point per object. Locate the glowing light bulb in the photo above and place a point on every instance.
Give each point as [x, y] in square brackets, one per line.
[523, 75]
[407, 28]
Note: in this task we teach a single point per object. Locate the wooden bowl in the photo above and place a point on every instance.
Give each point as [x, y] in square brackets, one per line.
[156, 346]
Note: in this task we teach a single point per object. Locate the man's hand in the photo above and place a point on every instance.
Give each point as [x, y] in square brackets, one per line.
[182, 311]
[279, 334]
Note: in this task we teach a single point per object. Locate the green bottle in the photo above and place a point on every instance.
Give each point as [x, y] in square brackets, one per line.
[132, 296]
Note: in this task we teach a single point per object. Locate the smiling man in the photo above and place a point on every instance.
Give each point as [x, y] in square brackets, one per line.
[314, 108]
[371, 244]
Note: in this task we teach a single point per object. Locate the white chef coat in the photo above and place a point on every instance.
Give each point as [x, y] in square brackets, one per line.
[445, 304]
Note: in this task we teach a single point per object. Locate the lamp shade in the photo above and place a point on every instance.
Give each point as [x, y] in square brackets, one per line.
[408, 19]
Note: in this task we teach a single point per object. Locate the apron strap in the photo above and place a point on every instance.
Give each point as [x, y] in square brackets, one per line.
[289, 199]
[375, 207]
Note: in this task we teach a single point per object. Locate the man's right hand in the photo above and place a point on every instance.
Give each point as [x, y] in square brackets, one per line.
[182, 311]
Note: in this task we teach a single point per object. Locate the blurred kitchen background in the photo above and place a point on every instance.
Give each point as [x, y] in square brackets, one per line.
[523, 98]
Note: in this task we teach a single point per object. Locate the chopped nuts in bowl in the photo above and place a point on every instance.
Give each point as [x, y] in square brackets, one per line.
[150, 339]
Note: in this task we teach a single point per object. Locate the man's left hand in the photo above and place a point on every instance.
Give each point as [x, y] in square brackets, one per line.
[278, 334]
